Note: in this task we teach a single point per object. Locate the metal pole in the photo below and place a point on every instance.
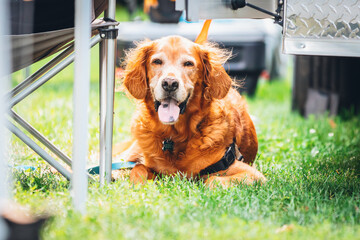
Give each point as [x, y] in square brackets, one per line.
[33, 77]
[26, 72]
[28, 141]
[81, 102]
[40, 137]
[47, 76]
[107, 73]
[102, 72]
[5, 67]
[43, 140]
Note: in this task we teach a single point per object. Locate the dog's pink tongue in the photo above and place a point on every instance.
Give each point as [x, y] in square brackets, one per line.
[168, 111]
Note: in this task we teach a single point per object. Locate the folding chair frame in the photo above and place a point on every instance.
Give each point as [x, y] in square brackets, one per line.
[44, 74]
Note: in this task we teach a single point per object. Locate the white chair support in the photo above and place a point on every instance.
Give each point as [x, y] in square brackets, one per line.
[4, 82]
[81, 103]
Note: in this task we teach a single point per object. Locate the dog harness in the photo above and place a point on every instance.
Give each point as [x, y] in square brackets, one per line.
[168, 145]
[224, 163]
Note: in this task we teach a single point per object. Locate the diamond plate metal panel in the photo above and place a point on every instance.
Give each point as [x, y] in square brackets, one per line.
[329, 27]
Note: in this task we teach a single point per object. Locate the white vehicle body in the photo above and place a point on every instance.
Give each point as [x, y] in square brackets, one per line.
[310, 27]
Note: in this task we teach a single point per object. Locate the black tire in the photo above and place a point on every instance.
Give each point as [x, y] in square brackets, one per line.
[164, 12]
[275, 72]
[326, 84]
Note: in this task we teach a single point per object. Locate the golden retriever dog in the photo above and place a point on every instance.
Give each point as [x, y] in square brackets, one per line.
[189, 118]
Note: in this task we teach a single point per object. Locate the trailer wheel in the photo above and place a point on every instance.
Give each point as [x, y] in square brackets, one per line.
[165, 12]
[326, 84]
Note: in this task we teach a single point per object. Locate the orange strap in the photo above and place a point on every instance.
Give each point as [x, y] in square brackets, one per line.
[202, 37]
[148, 4]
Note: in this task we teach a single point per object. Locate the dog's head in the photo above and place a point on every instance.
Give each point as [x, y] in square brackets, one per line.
[172, 70]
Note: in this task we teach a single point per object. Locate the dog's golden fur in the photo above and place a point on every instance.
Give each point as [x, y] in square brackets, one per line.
[215, 114]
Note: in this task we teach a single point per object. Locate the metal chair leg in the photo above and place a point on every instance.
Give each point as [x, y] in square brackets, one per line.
[81, 104]
[34, 82]
[41, 152]
[4, 184]
[4, 84]
[107, 82]
[40, 137]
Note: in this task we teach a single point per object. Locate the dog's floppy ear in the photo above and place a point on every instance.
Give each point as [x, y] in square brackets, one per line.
[217, 81]
[135, 72]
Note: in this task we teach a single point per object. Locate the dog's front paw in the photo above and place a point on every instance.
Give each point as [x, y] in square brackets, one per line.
[236, 179]
[215, 181]
[139, 174]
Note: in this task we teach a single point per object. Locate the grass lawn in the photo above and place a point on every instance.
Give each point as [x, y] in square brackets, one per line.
[313, 168]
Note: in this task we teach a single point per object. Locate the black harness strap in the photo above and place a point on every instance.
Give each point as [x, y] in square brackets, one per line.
[224, 163]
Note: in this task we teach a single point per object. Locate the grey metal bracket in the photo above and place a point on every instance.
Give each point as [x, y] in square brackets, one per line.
[108, 33]
[236, 4]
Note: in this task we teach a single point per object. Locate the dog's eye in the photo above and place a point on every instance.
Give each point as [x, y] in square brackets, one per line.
[157, 61]
[188, 64]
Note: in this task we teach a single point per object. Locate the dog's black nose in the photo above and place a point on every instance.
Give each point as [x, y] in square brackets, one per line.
[170, 84]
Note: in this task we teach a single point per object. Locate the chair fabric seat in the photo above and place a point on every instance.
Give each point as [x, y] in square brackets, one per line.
[37, 34]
